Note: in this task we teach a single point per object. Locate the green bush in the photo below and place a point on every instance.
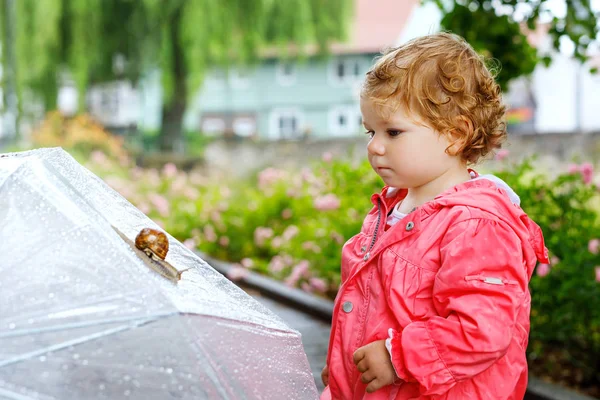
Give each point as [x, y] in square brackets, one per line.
[291, 226]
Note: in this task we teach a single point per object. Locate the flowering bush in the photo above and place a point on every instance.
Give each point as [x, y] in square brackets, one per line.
[291, 225]
[565, 316]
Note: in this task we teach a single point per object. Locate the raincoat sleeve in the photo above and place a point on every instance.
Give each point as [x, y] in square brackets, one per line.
[478, 292]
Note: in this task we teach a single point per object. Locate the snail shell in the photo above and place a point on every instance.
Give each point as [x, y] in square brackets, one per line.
[153, 242]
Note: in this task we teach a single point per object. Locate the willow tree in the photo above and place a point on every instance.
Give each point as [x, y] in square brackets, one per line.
[183, 38]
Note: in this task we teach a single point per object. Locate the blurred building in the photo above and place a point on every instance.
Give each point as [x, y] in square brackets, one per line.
[318, 97]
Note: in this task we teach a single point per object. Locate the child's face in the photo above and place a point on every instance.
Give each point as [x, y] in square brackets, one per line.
[402, 152]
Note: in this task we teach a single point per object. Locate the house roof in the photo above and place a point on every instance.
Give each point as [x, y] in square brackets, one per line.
[374, 26]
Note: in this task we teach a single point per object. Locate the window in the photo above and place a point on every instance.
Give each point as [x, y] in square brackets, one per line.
[285, 73]
[244, 126]
[286, 124]
[213, 126]
[344, 120]
[346, 70]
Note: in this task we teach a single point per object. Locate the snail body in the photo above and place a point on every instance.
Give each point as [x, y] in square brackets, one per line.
[152, 242]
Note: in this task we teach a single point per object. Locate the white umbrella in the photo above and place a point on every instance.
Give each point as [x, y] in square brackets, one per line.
[83, 317]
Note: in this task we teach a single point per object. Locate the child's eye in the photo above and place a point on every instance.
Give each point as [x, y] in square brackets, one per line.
[394, 133]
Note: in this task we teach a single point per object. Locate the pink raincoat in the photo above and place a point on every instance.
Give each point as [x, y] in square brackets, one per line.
[449, 285]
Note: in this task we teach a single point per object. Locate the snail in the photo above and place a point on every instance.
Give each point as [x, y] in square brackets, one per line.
[152, 242]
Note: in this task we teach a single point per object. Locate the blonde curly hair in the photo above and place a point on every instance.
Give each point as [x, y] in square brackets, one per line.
[447, 84]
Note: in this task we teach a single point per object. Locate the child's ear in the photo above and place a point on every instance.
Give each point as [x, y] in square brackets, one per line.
[460, 136]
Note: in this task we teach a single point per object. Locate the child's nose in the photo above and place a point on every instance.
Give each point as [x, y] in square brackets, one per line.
[376, 146]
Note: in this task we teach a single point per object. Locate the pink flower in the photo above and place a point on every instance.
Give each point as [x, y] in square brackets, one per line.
[573, 169]
[160, 203]
[210, 234]
[318, 284]
[224, 241]
[502, 154]
[310, 245]
[306, 287]
[338, 238]
[269, 176]
[247, 262]
[299, 271]
[225, 191]
[191, 193]
[144, 207]
[169, 170]
[597, 273]
[261, 234]
[290, 232]
[554, 261]
[236, 273]
[190, 243]
[277, 264]
[286, 214]
[587, 172]
[98, 157]
[327, 202]
[594, 246]
[277, 242]
[327, 156]
[543, 269]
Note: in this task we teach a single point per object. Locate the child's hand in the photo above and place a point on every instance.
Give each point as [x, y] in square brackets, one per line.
[325, 375]
[375, 364]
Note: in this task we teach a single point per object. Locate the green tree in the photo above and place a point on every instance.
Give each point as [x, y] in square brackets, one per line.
[493, 29]
[183, 38]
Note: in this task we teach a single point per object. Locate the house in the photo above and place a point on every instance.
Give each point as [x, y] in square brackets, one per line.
[316, 97]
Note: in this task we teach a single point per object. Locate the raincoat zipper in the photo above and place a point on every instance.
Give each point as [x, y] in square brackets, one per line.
[366, 257]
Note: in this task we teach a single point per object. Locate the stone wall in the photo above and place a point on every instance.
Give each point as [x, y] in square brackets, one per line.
[240, 158]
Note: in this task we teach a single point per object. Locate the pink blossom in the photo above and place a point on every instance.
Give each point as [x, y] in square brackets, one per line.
[286, 214]
[179, 184]
[160, 203]
[169, 170]
[594, 246]
[144, 207]
[269, 176]
[277, 264]
[137, 173]
[502, 154]
[597, 273]
[247, 262]
[293, 193]
[261, 234]
[224, 241]
[236, 273]
[190, 243]
[277, 242]
[191, 193]
[307, 175]
[573, 169]
[210, 234]
[305, 286]
[554, 261]
[290, 232]
[543, 269]
[328, 202]
[225, 191]
[310, 245]
[302, 268]
[587, 172]
[98, 157]
[327, 156]
[336, 237]
[318, 284]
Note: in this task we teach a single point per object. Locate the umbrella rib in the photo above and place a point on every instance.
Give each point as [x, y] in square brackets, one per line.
[87, 338]
[77, 325]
